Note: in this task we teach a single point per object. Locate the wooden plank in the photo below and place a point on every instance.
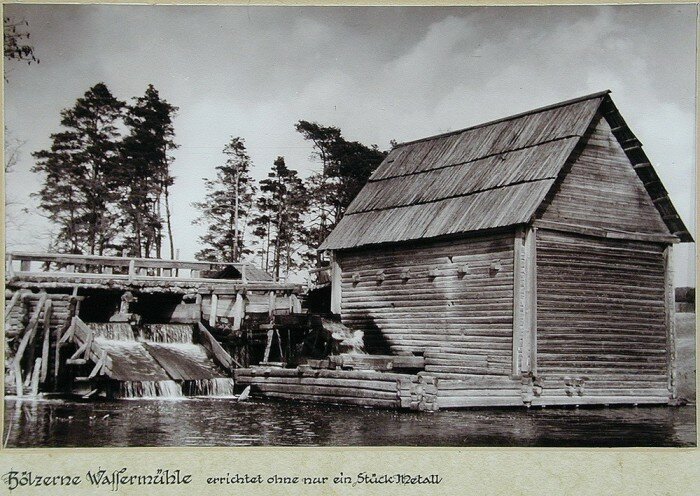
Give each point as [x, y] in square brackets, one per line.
[213, 346]
[670, 315]
[595, 231]
[36, 375]
[46, 342]
[13, 301]
[99, 365]
[213, 310]
[108, 261]
[519, 297]
[527, 309]
[30, 330]
[336, 285]
[18, 378]
[239, 311]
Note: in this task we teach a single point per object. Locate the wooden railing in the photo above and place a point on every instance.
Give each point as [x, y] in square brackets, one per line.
[116, 267]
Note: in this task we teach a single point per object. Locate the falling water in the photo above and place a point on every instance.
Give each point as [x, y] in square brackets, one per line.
[150, 389]
[115, 331]
[346, 340]
[145, 357]
[167, 333]
[217, 386]
[352, 344]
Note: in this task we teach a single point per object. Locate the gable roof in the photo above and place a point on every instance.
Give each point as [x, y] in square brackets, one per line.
[487, 176]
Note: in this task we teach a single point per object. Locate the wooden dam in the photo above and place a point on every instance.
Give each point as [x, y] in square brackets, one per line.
[122, 327]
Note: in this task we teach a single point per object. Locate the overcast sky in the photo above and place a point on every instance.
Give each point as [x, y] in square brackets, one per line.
[377, 73]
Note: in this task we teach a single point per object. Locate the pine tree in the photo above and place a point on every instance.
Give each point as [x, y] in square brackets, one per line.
[279, 221]
[227, 206]
[80, 185]
[146, 177]
[345, 168]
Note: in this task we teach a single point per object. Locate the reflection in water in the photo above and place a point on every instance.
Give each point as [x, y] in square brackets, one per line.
[223, 422]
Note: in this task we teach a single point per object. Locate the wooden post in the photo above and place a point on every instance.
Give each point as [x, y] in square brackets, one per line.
[525, 303]
[30, 332]
[18, 378]
[271, 304]
[670, 304]
[198, 302]
[132, 269]
[336, 285]
[35, 377]
[531, 250]
[47, 340]
[295, 303]
[10, 268]
[213, 309]
[519, 300]
[238, 311]
[244, 279]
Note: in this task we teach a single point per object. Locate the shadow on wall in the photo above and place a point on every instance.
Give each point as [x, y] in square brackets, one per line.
[685, 343]
[375, 342]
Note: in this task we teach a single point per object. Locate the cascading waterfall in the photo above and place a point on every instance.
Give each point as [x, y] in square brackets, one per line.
[114, 331]
[150, 389]
[160, 361]
[218, 386]
[167, 333]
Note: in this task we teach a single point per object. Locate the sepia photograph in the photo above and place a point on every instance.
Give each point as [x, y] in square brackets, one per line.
[349, 226]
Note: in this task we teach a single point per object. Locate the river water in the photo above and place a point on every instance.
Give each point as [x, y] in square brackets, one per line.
[224, 422]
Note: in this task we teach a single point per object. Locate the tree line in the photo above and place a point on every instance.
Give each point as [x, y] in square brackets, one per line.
[107, 180]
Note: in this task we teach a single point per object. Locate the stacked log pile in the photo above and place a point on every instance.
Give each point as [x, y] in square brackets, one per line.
[354, 387]
[479, 390]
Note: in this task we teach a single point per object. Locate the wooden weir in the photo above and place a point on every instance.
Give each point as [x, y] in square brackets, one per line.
[46, 294]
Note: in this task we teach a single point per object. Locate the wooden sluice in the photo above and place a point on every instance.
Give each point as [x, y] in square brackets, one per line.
[60, 320]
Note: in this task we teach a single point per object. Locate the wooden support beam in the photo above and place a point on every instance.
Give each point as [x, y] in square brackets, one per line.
[30, 331]
[519, 300]
[272, 303]
[35, 377]
[213, 309]
[13, 302]
[336, 285]
[81, 350]
[99, 366]
[132, 269]
[47, 341]
[8, 266]
[238, 311]
[213, 346]
[670, 304]
[525, 303]
[18, 378]
[268, 345]
[294, 303]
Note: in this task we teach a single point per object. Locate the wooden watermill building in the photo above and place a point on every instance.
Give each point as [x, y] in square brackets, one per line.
[528, 260]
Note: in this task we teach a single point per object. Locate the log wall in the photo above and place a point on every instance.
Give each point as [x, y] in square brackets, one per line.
[601, 319]
[450, 301]
[602, 190]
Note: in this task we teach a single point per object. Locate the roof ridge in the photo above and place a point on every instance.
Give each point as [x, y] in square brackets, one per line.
[510, 117]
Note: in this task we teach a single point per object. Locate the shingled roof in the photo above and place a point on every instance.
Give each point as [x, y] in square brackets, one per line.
[488, 176]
